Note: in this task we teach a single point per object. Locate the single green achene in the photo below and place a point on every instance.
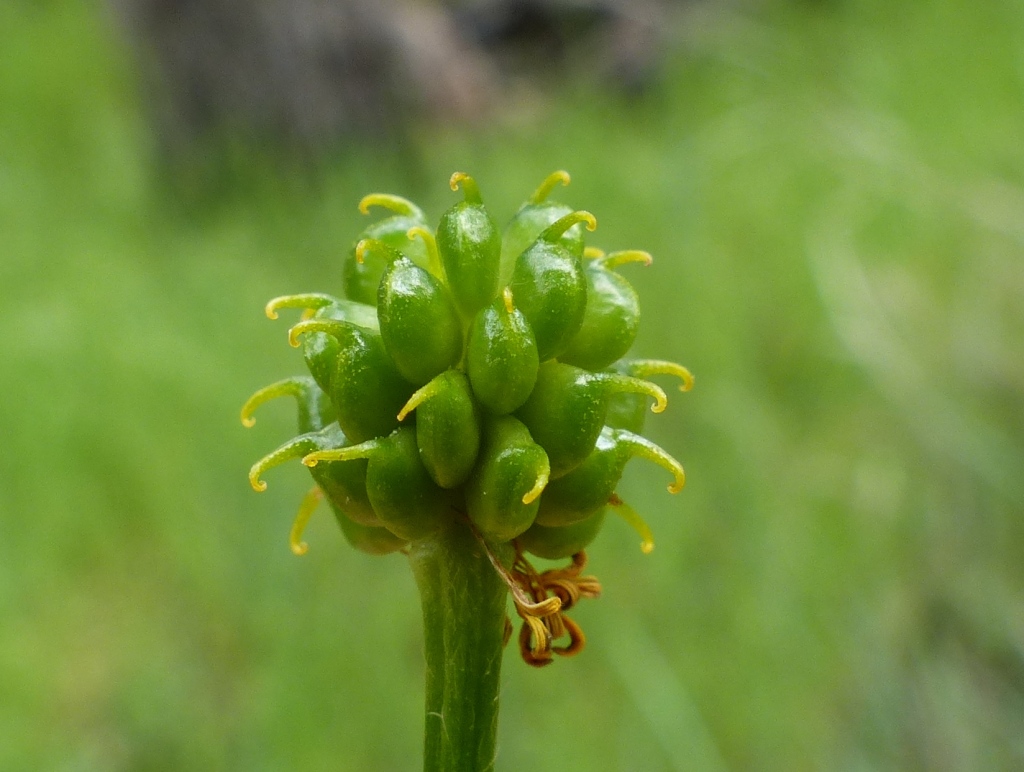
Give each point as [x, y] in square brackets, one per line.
[533, 217]
[612, 316]
[447, 427]
[550, 287]
[407, 501]
[418, 321]
[467, 405]
[568, 406]
[365, 386]
[501, 356]
[469, 244]
[361, 277]
[588, 487]
[503, 496]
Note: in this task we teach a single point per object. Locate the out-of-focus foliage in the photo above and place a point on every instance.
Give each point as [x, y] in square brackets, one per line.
[311, 73]
[834, 196]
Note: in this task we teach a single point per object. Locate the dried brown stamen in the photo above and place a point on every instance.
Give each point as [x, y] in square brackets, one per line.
[538, 606]
[539, 654]
[576, 639]
[540, 631]
[540, 600]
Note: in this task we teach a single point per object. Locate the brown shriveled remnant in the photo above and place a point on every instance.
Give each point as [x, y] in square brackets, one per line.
[541, 600]
[539, 632]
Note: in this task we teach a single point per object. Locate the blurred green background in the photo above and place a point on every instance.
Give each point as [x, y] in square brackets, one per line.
[834, 195]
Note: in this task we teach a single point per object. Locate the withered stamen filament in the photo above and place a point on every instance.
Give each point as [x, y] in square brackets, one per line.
[522, 600]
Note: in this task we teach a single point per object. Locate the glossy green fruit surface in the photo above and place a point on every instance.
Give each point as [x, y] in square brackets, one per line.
[501, 357]
[473, 377]
[562, 542]
[361, 273]
[612, 316]
[503, 491]
[419, 324]
[550, 287]
[469, 243]
[447, 427]
[533, 217]
[568, 406]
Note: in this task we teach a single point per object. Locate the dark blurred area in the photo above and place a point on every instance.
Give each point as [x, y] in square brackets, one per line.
[310, 74]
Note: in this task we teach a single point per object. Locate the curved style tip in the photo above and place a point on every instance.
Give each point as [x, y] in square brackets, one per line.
[680, 474]
[254, 478]
[361, 248]
[294, 448]
[333, 327]
[660, 402]
[644, 368]
[635, 521]
[430, 241]
[555, 231]
[305, 301]
[644, 448]
[306, 509]
[549, 183]
[455, 179]
[396, 204]
[631, 384]
[470, 190]
[660, 398]
[297, 386]
[538, 487]
[615, 259]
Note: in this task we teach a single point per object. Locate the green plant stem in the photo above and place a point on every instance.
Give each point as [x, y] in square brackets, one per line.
[463, 617]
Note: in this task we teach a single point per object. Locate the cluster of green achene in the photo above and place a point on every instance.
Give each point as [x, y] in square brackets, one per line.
[475, 376]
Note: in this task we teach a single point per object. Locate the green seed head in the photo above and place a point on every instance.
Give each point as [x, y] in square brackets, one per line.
[474, 379]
